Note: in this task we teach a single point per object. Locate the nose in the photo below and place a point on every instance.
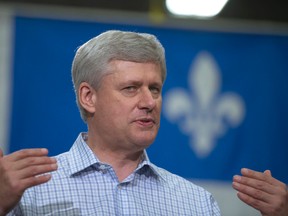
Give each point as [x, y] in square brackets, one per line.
[146, 100]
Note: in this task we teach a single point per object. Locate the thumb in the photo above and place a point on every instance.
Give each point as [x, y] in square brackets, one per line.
[1, 153]
[268, 172]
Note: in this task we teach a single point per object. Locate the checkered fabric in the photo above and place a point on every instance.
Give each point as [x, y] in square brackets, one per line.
[83, 185]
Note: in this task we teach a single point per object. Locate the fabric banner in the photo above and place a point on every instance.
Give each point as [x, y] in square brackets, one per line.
[224, 100]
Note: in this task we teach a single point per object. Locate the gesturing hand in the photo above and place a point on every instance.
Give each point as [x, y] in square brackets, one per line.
[21, 170]
[262, 192]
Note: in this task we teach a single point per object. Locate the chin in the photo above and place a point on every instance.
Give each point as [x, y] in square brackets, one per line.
[143, 138]
[144, 142]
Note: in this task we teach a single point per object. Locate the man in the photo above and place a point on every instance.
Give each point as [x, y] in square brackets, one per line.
[118, 78]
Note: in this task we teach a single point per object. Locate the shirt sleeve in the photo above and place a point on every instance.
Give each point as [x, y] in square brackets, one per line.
[215, 208]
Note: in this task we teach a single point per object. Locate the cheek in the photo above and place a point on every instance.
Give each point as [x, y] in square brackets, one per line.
[108, 109]
[119, 111]
[160, 103]
[159, 106]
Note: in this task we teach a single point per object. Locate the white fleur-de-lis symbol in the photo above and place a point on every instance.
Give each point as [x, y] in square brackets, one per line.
[205, 114]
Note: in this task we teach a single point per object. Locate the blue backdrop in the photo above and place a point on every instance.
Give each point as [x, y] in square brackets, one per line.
[251, 67]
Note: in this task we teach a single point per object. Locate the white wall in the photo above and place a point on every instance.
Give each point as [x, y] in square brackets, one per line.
[227, 199]
[5, 74]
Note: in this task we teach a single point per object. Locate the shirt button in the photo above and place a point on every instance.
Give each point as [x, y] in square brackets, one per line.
[102, 166]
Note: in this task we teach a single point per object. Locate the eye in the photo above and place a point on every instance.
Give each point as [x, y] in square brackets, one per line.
[155, 90]
[130, 89]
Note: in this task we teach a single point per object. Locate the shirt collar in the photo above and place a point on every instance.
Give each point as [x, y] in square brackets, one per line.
[81, 157]
[148, 168]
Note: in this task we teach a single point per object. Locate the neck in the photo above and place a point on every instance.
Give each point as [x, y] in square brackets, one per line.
[124, 162]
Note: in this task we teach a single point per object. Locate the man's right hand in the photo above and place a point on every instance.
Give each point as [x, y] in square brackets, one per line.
[21, 170]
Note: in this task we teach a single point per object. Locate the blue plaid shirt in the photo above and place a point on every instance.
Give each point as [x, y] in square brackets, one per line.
[83, 185]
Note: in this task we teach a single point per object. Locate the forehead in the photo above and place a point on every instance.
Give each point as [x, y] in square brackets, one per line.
[128, 70]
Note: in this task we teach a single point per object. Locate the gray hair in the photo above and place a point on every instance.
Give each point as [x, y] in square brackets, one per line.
[91, 61]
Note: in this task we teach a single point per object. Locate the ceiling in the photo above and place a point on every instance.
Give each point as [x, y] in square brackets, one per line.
[264, 10]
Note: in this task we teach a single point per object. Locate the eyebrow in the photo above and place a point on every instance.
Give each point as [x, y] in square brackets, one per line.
[138, 83]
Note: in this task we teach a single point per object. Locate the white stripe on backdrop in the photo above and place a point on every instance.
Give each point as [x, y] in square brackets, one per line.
[226, 198]
[5, 75]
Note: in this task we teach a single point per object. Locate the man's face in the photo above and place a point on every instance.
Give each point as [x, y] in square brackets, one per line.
[128, 105]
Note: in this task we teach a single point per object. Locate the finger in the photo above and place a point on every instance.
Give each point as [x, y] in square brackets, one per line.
[254, 183]
[1, 153]
[260, 176]
[252, 174]
[24, 153]
[252, 192]
[35, 180]
[33, 171]
[32, 161]
[255, 203]
[267, 172]
[267, 176]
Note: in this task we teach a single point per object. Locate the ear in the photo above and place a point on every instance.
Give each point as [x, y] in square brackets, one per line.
[87, 97]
